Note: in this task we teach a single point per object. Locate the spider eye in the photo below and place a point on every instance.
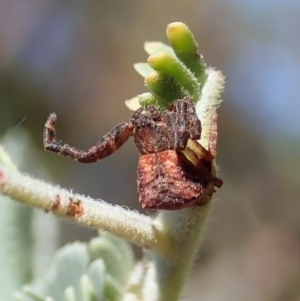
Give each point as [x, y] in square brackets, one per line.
[154, 114]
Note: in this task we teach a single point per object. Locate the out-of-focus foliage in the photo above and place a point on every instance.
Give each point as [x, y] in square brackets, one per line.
[16, 250]
[94, 272]
[74, 58]
[22, 233]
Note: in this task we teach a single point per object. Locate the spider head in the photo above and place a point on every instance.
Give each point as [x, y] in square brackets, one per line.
[150, 131]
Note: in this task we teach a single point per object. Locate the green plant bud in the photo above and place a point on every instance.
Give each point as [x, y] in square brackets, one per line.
[170, 65]
[147, 99]
[164, 86]
[185, 48]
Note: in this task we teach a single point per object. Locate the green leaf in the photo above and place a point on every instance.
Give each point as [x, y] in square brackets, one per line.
[116, 254]
[5, 159]
[29, 295]
[96, 274]
[143, 69]
[69, 294]
[113, 291]
[68, 265]
[16, 240]
[154, 47]
[125, 252]
[16, 246]
[87, 292]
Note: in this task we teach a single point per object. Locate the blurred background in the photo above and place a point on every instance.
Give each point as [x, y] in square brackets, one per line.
[75, 58]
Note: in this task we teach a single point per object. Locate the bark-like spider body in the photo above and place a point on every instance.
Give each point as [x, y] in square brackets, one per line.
[173, 169]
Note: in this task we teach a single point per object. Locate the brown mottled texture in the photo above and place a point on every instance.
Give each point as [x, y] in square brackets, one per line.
[110, 142]
[164, 182]
[171, 129]
[174, 169]
[75, 208]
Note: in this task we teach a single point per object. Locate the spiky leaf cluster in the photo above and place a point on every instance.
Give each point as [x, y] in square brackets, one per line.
[172, 72]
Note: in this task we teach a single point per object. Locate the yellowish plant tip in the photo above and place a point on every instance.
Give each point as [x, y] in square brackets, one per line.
[133, 104]
[175, 26]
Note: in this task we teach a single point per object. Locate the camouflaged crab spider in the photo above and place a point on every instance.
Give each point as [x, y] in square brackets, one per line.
[173, 170]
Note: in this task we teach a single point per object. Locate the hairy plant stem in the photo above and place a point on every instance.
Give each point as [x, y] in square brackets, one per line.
[133, 226]
[169, 272]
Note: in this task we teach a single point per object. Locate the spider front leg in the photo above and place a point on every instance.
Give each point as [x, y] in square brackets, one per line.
[110, 142]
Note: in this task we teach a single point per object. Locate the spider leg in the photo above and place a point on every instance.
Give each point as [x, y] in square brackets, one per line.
[199, 150]
[195, 151]
[110, 142]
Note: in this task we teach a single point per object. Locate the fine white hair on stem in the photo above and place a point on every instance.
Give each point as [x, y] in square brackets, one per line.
[209, 102]
[133, 226]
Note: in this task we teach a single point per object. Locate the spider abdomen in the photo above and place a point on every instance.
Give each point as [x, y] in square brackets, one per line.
[164, 182]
